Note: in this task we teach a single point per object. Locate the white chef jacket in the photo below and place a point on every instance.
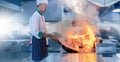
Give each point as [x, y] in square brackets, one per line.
[37, 24]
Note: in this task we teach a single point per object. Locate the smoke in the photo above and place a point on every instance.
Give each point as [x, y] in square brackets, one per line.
[84, 9]
[85, 12]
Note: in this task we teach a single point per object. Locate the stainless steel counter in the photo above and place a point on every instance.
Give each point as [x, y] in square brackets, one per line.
[84, 57]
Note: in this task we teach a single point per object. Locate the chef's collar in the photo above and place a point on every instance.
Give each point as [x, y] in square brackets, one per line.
[39, 12]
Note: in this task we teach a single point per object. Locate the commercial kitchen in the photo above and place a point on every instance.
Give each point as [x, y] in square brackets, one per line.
[59, 30]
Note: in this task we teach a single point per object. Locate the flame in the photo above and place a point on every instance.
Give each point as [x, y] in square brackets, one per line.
[85, 57]
[89, 57]
[87, 14]
[86, 39]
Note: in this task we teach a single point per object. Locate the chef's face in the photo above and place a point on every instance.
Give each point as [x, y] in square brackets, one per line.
[42, 7]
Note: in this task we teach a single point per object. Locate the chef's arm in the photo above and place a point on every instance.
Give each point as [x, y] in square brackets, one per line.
[44, 35]
[39, 33]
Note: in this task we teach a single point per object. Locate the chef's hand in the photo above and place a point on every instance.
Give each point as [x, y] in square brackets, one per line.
[47, 35]
[53, 37]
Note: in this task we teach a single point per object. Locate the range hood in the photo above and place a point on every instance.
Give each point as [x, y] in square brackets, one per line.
[103, 3]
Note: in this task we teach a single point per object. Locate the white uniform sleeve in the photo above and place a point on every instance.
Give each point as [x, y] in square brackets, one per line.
[34, 25]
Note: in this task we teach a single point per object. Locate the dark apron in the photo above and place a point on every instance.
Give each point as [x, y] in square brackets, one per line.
[39, 49]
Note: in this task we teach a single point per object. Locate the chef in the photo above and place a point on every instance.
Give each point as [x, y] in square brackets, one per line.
[38, 31]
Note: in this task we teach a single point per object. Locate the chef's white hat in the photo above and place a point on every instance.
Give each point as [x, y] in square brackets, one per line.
[41, 1]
